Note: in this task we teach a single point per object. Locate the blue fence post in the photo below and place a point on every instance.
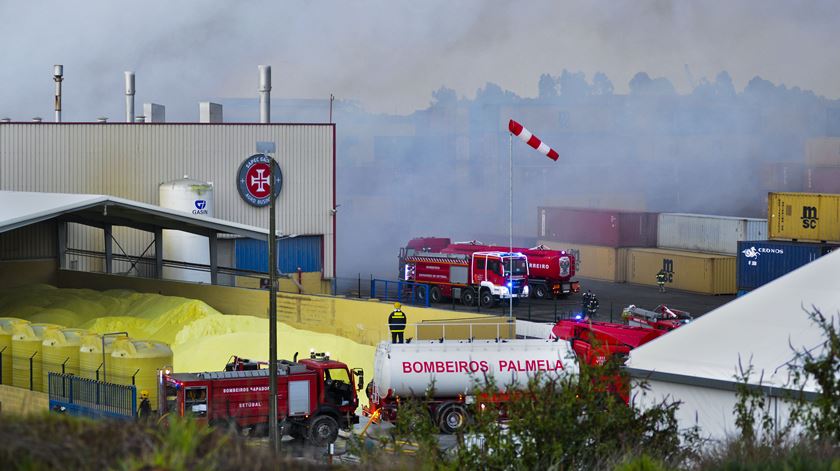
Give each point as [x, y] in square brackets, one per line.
[428, 301]
[373, 288]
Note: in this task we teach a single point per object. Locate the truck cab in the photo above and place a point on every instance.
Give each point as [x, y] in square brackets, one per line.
[337, 387]
[502, 275]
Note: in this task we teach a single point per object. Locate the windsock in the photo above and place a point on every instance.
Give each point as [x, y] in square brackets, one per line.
[518, 130]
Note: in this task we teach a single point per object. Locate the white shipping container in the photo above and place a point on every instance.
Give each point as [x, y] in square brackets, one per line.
[706, 233]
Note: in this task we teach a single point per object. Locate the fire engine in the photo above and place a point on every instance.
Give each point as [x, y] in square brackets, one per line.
[485, 277]
[550, 272]
[315, 396]
[454, 367]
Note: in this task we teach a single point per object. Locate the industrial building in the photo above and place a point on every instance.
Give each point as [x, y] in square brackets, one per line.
[145, 160]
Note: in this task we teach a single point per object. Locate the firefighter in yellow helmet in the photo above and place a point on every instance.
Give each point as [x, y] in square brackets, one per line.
[396, 322]
[145, 411]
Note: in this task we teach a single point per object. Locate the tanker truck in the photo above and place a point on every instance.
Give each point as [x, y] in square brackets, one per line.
[455, 368]
[550, 272]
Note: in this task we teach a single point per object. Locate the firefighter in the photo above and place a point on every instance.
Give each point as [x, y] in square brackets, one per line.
[660, 280]
[592, 307]
[145, 411]
[396, 322]
[584, 301]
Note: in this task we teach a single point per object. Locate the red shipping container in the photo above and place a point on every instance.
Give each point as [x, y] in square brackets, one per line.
[822, 180]
[603, 227]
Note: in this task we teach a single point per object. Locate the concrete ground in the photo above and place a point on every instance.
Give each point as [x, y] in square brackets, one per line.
[613, 298]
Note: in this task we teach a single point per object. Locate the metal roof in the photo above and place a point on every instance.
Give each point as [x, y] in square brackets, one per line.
[23, 208]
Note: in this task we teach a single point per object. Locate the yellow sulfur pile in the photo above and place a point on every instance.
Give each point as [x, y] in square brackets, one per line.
[202, 339]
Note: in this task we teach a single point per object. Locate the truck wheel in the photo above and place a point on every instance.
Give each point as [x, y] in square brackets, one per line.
[323, 430]
[434, 294]
[453, 419]
[486, 298]
[539, 291]
[468, 297]
[420, 293]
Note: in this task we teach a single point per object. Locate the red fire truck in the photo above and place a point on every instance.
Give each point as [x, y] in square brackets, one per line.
[550, 272]
[315, 397]
[485, 277]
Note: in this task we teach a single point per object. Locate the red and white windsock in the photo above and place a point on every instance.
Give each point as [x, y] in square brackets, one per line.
[518, 130]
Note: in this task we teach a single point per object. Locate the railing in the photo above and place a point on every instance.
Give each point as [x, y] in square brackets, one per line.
[403, 291]
[89, 398]
[444, 330]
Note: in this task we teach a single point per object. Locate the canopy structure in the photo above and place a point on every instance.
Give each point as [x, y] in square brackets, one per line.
[19, 209]
[698, 364]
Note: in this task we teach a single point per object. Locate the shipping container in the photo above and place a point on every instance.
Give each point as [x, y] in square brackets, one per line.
[804, 216]
[602, 227]
[823, 151]
[304, 252]
[762, 261]
[822, 180]
[593, 261]
[688, 271]
[705, 233]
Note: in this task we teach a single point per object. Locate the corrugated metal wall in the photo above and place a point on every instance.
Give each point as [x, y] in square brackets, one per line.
[29, 242]
[131, 160]
[303, 252]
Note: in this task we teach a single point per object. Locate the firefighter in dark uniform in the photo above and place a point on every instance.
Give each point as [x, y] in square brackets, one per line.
[592, 307]
[145, 410]
[396, 322]
[660, 280]
[584, 300]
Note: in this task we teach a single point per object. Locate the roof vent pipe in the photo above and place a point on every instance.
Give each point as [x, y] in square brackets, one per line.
[140, 119]
[102, 119]
[6, 120]
[129, 96]
[265, 93]
[58, 76]
[36, 119]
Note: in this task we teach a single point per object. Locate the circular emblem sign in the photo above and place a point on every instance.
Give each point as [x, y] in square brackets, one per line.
[252, 180]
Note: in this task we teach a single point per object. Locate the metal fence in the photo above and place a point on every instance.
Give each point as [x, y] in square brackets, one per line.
[402, 291]
[89, 398]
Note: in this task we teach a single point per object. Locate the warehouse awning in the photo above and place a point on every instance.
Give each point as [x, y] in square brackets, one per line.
[22, 208]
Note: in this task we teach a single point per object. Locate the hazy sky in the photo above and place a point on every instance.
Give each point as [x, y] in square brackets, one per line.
[390, 54]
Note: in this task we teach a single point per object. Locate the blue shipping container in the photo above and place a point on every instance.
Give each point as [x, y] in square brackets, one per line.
[762, 261]
[303, 251]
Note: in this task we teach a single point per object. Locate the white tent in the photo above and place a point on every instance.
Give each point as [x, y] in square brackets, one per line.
[697, 364]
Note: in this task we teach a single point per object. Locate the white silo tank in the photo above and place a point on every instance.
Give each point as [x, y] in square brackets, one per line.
[191, 196]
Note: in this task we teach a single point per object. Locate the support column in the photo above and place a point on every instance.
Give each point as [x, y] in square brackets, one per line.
[159, 253]
[62, 245]
[214, 258]
[109, 250]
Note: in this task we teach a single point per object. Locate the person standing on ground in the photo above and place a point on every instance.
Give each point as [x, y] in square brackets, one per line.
[584, 301]
[396, 322]
[660, 280]
[145, 412]
[593, 306]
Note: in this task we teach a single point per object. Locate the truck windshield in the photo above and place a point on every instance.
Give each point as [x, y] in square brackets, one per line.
[520, 266]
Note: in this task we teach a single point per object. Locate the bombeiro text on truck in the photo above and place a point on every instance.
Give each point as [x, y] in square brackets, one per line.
[454, 368]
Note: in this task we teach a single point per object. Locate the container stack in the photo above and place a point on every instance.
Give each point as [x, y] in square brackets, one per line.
[596, 237]
[801, 228]
[697, 252]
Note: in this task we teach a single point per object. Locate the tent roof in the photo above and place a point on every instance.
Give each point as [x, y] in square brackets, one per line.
[20, 208]
[759, 328]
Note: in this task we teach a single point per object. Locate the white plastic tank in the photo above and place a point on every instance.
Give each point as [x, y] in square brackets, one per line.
[195, 197]
[455, 366]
